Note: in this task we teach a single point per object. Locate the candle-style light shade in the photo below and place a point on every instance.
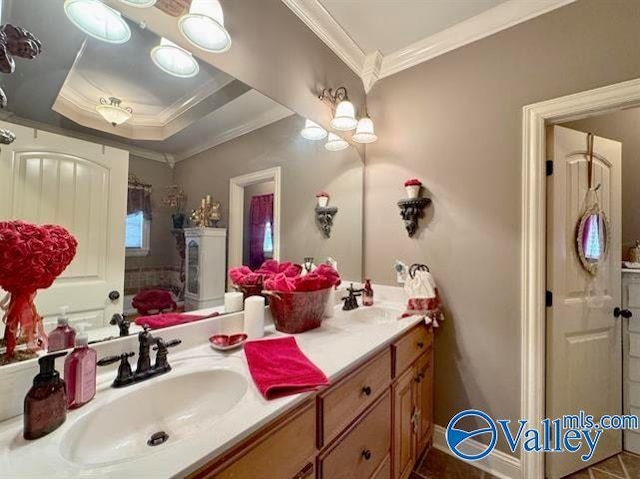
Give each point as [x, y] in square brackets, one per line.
[335, 143]
[364, 132]
[98, 20]
[313, 131]
[345, 117]
[174, 60]
[203, 26]
[139, 3]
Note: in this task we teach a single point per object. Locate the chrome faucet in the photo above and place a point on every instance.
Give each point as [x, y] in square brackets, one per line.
[144, 370]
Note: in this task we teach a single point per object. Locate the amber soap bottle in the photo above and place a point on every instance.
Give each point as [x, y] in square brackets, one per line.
[45, 405]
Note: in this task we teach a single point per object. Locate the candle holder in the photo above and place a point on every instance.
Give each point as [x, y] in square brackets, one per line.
[208, 214]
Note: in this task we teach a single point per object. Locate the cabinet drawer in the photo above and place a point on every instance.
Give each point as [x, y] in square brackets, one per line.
[408, 348]
[362, 450]
[283, 453]
[345, 401]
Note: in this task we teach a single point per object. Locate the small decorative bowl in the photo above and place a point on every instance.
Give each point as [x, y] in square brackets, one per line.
[226, 342]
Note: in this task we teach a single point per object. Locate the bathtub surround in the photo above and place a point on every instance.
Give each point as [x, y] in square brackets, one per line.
[466, 146]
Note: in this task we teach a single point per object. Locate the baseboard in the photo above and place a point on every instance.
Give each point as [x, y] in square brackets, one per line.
[498, 463]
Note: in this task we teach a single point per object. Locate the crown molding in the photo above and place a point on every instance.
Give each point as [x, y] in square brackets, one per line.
[260, 121]
[320, 21]
[374, 66]
[498, 18]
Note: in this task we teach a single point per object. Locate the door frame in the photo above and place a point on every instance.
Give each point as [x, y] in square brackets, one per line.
[237, 185]
[535, 118]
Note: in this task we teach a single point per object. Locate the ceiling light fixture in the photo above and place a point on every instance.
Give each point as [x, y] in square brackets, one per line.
[313, 131]
[139, 3]
[344, 118]
[335, 143]
[203, 26]
[98, 20]
[364, 132]
[174, 60]
[112, 111]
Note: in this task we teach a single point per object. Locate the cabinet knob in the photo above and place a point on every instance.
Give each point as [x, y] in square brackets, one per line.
[366, 454]
[420, 344]
[114, 295]
[625, 313]
[366, 391]
[418, 378]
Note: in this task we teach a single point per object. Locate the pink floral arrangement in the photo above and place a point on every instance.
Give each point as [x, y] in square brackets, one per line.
[31, 258]
[285, 277]
[413, 182]
[322, 194]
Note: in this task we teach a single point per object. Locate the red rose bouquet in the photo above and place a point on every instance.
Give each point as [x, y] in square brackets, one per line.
[31, 258]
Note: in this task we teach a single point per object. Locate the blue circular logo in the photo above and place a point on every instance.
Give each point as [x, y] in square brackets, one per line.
[456, 437]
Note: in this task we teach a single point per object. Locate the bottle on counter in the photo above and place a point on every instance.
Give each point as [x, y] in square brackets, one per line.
[80, 372]
[45, 405]
[367, 293]
[64, 336]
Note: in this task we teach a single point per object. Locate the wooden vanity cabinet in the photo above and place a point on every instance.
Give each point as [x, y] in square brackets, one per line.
[372, 423]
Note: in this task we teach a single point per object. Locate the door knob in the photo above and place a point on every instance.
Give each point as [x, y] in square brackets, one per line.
[625, 313]
[114, 295]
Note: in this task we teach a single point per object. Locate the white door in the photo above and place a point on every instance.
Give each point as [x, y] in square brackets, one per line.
[584, 349]
[52, 179]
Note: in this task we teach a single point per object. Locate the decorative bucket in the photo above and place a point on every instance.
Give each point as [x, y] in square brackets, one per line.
[298, 312]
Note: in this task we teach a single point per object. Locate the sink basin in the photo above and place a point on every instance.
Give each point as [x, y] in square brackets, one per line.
[375, 314]
[177, 405]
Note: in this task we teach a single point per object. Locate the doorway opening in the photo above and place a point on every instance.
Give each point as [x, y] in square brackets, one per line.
[536, 119]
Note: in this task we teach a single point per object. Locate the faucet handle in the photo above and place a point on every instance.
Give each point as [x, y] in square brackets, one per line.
[125, 375]
[162, 344]
[162, 365]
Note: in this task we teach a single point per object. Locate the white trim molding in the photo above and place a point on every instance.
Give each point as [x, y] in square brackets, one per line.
[370, 67]
[533, 251]
[237, 185]
[498, 463]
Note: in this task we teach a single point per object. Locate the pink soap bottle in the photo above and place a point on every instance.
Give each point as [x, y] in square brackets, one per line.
[64, 336]
[367, 294]
[80, 372]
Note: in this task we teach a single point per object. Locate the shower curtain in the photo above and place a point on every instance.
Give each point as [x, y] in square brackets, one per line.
[260, 213]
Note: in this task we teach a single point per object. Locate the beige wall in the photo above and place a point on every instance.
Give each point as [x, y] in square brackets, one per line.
[162, 246]
[455, 122]
[623, 126]
[306, 169]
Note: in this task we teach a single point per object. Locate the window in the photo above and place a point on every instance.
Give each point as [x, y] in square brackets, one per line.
[267, 244]
[137, 235]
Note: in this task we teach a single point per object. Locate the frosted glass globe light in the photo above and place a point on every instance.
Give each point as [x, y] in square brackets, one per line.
[313, 131]
[203, 26]
[139, 3]
[364, 132]
[98, 20]
[345, 117]
[174, 60]
[335, 143]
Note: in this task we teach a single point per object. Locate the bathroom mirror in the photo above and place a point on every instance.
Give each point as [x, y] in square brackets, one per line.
[119, 139]
[592, 239]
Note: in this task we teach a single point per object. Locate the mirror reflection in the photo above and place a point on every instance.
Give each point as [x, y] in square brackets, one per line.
[592, 239]
[166, 171]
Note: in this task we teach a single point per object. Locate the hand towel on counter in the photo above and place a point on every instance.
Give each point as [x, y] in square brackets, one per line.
[161, 320]
[279, 368]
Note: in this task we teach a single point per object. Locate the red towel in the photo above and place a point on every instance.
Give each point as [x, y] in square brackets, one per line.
[279, 368]
[157, 321]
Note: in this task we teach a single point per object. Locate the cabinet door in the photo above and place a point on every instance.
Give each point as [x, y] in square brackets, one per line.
[424, 400]
[403, 418]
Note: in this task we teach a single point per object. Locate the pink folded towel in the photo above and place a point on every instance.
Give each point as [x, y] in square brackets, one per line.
[156, 321]
[279, 368]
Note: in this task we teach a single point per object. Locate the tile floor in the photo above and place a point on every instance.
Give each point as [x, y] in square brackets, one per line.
[622, 466]
[443, 466]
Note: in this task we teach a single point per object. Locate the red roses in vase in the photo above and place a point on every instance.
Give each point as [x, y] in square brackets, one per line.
[31, 258]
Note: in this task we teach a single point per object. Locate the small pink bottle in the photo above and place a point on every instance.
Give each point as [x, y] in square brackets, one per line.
[64, 336]
[80, 372]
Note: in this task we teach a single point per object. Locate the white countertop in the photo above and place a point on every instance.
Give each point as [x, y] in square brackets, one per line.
[336, 346]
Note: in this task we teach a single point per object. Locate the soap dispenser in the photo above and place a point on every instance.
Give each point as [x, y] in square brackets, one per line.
[80, 371]
[63, 337]
[45, 405]
[367, 294]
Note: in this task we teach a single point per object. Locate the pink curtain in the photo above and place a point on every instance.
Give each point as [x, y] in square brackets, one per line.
[260, 213]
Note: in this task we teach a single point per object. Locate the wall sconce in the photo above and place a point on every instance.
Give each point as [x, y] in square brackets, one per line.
[344, 118]
[313, 131]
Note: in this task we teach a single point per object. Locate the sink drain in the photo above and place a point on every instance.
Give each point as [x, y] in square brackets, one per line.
[158, 438]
